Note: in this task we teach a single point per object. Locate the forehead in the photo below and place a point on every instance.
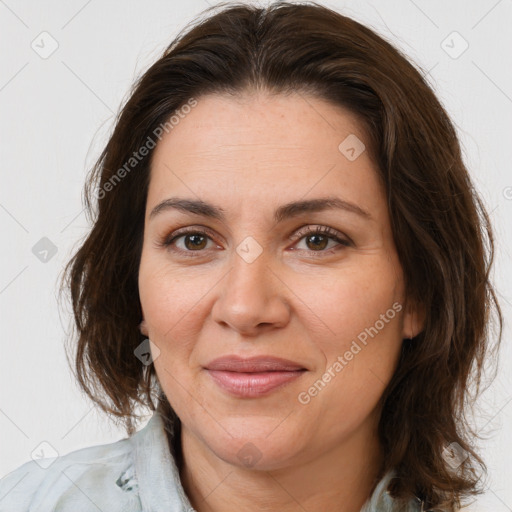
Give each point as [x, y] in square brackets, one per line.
[283, 123]
[262, 145]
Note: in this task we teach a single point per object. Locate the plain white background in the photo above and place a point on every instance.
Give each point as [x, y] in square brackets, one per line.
[56, 112]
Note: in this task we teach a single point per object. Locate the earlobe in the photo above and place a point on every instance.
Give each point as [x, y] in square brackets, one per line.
[414, 320]
[143, 328]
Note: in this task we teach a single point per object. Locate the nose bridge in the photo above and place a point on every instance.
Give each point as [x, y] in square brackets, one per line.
[248, 278]
[250, 263]
[251, 294]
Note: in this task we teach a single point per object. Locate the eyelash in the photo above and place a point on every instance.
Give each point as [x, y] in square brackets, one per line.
[167, 241]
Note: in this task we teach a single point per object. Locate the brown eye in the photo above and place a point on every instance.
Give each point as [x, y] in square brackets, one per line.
[197, 241]
[317, 241]
[186, 242]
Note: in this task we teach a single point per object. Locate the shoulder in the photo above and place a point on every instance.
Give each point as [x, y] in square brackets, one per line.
[101, 476]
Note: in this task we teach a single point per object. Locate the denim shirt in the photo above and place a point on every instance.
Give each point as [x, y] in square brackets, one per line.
[135, 474]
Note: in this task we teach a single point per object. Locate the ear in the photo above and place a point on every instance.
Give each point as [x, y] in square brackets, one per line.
[143, 328]
[413, 319]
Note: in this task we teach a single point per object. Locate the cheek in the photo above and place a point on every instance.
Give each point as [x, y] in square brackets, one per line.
[343, 307]
[359, 363]
[173, 304]
[168, 295]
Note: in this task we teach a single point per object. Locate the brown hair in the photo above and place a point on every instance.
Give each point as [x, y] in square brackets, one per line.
[440, 226]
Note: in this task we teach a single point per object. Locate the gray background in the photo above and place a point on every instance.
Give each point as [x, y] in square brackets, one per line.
[56, 112]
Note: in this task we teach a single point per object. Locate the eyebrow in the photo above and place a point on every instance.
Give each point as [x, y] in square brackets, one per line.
[286, 211]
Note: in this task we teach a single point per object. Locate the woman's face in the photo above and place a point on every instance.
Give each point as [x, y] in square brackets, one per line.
[252, 279]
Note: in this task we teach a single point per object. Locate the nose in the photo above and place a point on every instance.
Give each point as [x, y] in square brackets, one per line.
[252, 298]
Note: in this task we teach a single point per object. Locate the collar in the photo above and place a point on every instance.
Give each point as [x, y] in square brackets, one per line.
[158, 477]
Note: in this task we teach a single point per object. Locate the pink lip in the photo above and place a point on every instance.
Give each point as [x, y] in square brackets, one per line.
[253, 364]
[254, 376]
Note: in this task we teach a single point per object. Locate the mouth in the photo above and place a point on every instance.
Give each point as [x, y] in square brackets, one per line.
[253, 377]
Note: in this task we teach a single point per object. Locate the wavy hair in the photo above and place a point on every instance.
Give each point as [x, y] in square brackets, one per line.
[440, 226]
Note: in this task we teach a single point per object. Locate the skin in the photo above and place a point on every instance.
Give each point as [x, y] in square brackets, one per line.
[297, 300]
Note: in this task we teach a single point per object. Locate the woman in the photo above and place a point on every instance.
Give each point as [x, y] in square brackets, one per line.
[290, 259]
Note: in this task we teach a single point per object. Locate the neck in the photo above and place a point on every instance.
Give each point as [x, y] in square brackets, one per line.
[341, 479]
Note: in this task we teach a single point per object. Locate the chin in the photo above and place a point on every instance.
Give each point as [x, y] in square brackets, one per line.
[255, 448]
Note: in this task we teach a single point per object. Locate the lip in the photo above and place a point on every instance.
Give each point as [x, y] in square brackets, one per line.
[254, 376]
[255, 364]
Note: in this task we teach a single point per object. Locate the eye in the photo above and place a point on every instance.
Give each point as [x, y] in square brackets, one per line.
[188, 241]
[317, 239]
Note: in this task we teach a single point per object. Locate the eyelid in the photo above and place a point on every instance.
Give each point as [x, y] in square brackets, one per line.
[306, 230]
[190, 230]
[311, 229]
